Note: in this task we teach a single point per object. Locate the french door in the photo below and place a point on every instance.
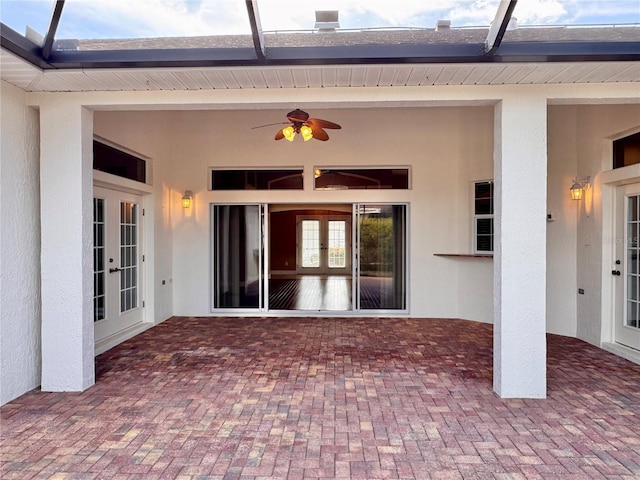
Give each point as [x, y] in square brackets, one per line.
[117, 258]
[323, 244]
[626, 267]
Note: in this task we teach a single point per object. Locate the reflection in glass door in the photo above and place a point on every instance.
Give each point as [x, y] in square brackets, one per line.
[238, 256]
[381, 280]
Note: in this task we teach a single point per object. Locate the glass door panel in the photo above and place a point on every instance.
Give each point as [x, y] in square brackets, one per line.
[337, 243]
[633, 275]
[381, 281]
[128, 256]
[99, 273]
[626, 267]
[238, 256]
[310, 244]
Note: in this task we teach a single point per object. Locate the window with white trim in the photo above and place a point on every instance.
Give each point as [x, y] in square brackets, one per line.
[483, 216]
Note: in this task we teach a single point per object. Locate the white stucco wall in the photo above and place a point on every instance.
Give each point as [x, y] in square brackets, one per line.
[596, 126]
[562, 167]
[19, 246]
[149, 134]
[447, 148]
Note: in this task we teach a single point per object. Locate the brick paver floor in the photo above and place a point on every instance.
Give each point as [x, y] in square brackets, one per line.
[296, 398]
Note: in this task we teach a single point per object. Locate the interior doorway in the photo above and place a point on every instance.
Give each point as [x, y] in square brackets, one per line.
[310, 257]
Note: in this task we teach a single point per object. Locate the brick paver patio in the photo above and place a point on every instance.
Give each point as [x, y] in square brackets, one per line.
[298, 398]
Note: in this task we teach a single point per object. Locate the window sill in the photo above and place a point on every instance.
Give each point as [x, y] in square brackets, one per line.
[464, 255]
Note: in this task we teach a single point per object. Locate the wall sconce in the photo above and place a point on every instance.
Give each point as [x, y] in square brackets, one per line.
[186, 199]
[579, 186]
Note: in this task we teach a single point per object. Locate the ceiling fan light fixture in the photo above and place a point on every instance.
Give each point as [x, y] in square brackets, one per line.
[289, 133]
[306, 132]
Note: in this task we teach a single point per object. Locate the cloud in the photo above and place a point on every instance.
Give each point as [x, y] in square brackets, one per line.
[149, 18]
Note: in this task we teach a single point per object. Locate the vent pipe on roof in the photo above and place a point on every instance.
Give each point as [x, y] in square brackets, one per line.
[443, 25]
[327, 21]
[35, 36]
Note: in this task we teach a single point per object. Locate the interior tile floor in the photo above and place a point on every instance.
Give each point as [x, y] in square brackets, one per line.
[299, 398]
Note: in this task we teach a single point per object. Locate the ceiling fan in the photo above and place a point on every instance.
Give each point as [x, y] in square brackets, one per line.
[307, 127]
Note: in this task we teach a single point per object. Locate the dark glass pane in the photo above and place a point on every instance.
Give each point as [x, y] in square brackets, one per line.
[362, 178]
[237, 234]
[111, 160]
[484, 226]
[99, 210]
[483, 197]
[632, 260]
[484, 235]
[632, 314]
[99, 287]
[99, 260]
[483, 206]
[382, 237]
[256, 179]
[484, 243]
[626, 151]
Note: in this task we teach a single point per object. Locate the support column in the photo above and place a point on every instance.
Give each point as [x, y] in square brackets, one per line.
[520, 200]
[66, 195]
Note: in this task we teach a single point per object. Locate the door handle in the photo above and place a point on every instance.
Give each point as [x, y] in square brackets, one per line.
[615, 272]
[114, 270]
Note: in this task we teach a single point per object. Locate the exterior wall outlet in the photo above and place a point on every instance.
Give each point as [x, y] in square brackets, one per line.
[581, 291]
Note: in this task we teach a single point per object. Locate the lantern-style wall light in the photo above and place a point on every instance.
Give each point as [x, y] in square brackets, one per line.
[579, 186]
[187, 199]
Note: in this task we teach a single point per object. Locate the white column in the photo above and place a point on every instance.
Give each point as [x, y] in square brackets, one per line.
[520, 199]
[66, 195]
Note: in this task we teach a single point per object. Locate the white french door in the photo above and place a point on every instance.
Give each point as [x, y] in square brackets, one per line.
[117, 259]
[324, 244]
[626, 266]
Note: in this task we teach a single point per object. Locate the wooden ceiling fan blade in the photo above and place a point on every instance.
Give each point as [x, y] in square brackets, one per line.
[298, 116]
[323, 123]
[280, 134]
[319, 133]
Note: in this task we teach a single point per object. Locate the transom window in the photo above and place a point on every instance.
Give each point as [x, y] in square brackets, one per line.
[626, 151]
[390, 178]
[256, 179]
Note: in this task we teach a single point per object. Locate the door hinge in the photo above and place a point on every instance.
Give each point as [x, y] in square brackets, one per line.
[143, 258]
[143, 212]
[143, 304]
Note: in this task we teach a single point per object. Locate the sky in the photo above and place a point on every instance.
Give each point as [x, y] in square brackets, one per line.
[151, 18]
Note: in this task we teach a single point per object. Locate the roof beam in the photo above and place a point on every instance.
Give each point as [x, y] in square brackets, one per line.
[511, 52]
[53, 27]
[256, 28]
[499, 26]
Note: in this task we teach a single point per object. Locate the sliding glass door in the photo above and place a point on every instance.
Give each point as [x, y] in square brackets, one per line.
[238, 256]
[382, 257]
[378, 265]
